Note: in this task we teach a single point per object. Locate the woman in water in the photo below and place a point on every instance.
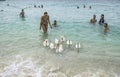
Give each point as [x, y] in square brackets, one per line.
[44, 22]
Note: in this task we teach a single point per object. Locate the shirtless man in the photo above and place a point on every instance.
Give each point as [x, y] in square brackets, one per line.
[93, 20]
[44, 22]
[22, 13]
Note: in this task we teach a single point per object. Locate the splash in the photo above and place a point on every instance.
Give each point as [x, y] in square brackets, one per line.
[28, 67]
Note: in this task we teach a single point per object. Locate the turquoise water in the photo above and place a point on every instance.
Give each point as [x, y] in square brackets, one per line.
[22, 53]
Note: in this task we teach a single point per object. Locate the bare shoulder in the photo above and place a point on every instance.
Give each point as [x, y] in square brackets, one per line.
[42, 17]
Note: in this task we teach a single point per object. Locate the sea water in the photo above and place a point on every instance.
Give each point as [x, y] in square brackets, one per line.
[22, 53]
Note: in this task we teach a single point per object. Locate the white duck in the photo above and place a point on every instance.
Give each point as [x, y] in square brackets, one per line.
[62, 38]
[60, 48]
[78, 45]
[57, 43]
[46, 42]
[69, 42]
[52, 46]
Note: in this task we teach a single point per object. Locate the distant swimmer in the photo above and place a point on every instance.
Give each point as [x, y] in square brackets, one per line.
[102, 21]
[54, 23]
[77, 7]
[44, 22]
[8, 5]
[38, 6]
[84, 6]
[35, 6]
[41, 6]
[22, 13]
[93, 20]
[106, 28]
[1, 10]
[90, 7]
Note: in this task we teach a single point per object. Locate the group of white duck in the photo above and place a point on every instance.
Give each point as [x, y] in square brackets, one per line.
[58, 44]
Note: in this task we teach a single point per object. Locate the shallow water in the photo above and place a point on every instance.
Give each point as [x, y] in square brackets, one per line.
[22, 53]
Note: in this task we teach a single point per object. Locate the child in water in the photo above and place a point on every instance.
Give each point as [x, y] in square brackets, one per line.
[54, 23]
[106, 28]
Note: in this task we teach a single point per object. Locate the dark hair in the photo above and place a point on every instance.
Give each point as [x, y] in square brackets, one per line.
[94, 15]
[106, 24]
[102, 14]
[22, 9]
[45, 13]
[54, 20]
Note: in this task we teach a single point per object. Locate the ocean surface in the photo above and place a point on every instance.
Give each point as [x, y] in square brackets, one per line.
[22, 53]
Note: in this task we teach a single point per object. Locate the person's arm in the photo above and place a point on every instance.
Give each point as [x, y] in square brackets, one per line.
[49, 22]
[41, 22]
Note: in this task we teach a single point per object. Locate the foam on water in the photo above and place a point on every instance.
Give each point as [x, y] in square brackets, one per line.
[28, 67]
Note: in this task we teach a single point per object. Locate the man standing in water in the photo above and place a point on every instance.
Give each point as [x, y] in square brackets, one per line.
[102, 21]
[93, 20]
[22, 13]
[44, 22]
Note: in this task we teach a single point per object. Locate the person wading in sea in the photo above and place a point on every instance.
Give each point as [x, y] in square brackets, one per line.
[44, 22]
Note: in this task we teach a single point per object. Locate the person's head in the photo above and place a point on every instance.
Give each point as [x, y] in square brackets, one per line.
[90, 7]
[45, 13]
[34, 5]
[22, 10]
[94, 16]
[55, 21]
[105, 25]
